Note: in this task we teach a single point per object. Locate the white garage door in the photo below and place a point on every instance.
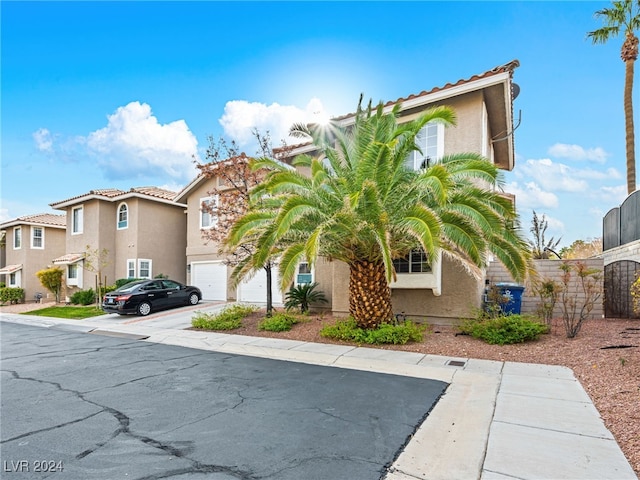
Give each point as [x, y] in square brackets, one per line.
[255, 289]
[211, 279]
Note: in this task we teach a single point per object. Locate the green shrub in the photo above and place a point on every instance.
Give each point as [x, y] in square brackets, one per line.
[84, 297]
[279, 322]
[505, 329]
[229, 318]
[400, 334]
[11, 295]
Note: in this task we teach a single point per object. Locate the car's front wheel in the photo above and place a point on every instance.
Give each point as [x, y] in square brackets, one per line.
[144, 309]
[194, 299]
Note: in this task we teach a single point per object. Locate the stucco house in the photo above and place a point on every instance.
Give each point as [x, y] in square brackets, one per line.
[31, 244]
[141, 231]
[444, 291]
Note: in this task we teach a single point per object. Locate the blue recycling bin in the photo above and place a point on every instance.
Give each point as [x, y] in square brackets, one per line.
[513, 292]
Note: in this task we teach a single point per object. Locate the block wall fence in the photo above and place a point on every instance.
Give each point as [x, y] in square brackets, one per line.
[549, 269]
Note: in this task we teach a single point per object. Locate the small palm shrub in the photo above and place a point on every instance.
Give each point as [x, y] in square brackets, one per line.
[229, 318]
[301, 296]
[278, 322]
[504, 330]
[400, 334]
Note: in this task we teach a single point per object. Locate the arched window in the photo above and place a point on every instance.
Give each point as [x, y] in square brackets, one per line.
[123, 216]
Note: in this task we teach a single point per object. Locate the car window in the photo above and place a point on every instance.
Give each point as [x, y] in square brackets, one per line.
[129, 286]
[171, 284]
[152, 286]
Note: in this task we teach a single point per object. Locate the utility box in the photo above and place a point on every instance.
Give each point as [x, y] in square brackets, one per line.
[513, 292]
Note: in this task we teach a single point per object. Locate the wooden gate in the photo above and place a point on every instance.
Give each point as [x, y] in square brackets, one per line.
[618, 278]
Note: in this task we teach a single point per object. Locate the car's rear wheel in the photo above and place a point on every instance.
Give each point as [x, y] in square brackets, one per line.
[194, 299]
[144, 309]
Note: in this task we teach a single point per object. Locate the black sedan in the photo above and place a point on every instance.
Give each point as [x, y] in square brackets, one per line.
[144, 296]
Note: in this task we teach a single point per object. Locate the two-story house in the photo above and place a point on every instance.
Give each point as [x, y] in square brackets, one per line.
[444, 291]
[31, 244]
[138, 233]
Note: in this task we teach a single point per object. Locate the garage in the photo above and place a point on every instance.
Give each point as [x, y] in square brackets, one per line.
[255, 289]
[211, 279]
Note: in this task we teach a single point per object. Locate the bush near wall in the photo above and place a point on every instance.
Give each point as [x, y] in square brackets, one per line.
[11, 295]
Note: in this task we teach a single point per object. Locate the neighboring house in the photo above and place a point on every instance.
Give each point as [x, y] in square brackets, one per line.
[31, 244]
[207, 269]
[142, 232]
[445, 291]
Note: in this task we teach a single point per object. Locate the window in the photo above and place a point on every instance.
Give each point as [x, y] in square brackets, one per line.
[144, 268]
[37, 237]
[430, 140]
[304, 274]
[13, 280]
[131, 269]
[72, 271]
[74, 274]
[77, 221]
[207, 205]
[17, 237]
[123, 216]
[415, 262]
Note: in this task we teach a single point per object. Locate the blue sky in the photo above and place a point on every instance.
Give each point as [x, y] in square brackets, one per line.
[126, 94]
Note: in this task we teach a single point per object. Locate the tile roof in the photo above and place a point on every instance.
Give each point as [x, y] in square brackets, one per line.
[10, 269]
[45, 219]
[110, 194]
[69, 258]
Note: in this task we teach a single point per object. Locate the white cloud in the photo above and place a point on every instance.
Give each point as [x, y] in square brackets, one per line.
[43, 139]
[240, 118]
[576, 152]
[134, 143]
[553, 176]
[530, 196]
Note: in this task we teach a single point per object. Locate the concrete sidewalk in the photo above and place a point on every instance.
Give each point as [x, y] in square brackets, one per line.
[496, 420]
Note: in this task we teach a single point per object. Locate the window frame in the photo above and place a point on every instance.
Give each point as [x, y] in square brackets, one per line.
[150, 268]
[418, 158]
[34, 238]
[122, 224]
[77, 220]
[17, 238]
[410, 262]
[212, 218]
[131, 268]
[310, 272]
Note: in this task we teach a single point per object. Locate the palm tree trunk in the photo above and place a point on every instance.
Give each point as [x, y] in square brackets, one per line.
[369, 294]
[628, 118]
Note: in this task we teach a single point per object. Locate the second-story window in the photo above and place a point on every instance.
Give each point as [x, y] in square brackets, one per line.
[37, 237]
[77, 220]
[431, 142]
[123, 216]
[17, 238]
[208, 206]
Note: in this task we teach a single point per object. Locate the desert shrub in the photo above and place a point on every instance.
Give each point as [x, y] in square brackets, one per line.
[400, 334]
[504, 330]
[581, 290]
[84, 297]
[11, 295]
[547, 291]
[51, 279]
[301, 296]
[278, 322]
[229, 318]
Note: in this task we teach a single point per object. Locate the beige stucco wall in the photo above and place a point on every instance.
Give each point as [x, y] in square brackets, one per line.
[34, 259]
[461, 293]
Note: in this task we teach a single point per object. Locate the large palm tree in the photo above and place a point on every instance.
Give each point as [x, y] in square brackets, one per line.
[361, 204]
[624, 16]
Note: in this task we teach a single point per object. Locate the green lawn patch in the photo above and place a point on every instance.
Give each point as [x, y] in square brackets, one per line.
[73, 313]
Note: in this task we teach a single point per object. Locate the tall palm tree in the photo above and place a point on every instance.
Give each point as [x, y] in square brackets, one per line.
[362, 205]
[623, 16]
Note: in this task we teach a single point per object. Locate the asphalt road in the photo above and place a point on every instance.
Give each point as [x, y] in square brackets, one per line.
[85, 406]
